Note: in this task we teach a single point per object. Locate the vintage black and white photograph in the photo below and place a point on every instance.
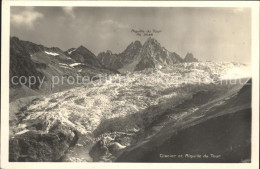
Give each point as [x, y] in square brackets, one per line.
[130, 84]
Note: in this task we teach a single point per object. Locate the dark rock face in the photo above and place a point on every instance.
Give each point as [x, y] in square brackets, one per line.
[117, 61]
[153, 54]
[35, 146]
[225, 138]
[21, 63]
[190, 58]
[31, 47]
[83, 55]
[129, 54]
[144, 64]
[229, 142]
[115, 148]
[110, 60]
[106, 150]
[98, 151]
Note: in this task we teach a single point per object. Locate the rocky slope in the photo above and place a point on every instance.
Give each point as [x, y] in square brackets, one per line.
[21, 63]
[34, 146]
[32, 60]
[83, 55]
[219, 130]
[109, 59]
[114, 114]
[118, 61]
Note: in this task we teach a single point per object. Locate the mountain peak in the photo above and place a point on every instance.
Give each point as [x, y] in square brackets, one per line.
[14, 38]
[150, 39]
[153, 55]
[139, 57]
[83, 55]
[83, 50]
[109, 52]
[81, 47]
[137, 43]
[190, 58]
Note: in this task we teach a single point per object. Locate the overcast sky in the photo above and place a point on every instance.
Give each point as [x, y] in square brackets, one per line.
[216, 34]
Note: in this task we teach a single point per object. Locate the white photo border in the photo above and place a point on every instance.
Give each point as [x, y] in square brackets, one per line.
[5, 164]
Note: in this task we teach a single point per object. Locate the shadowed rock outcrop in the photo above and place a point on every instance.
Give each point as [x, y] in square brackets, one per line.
[36, 146]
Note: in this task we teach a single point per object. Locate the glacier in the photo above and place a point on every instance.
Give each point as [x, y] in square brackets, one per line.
[129, 95]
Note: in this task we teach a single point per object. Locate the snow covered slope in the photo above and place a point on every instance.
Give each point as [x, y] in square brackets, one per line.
[120, 103]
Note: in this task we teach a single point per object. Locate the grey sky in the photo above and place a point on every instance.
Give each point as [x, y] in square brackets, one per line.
[217, 34]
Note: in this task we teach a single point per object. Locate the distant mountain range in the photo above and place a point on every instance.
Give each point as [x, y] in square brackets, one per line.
[30, 59]
[138, 57]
